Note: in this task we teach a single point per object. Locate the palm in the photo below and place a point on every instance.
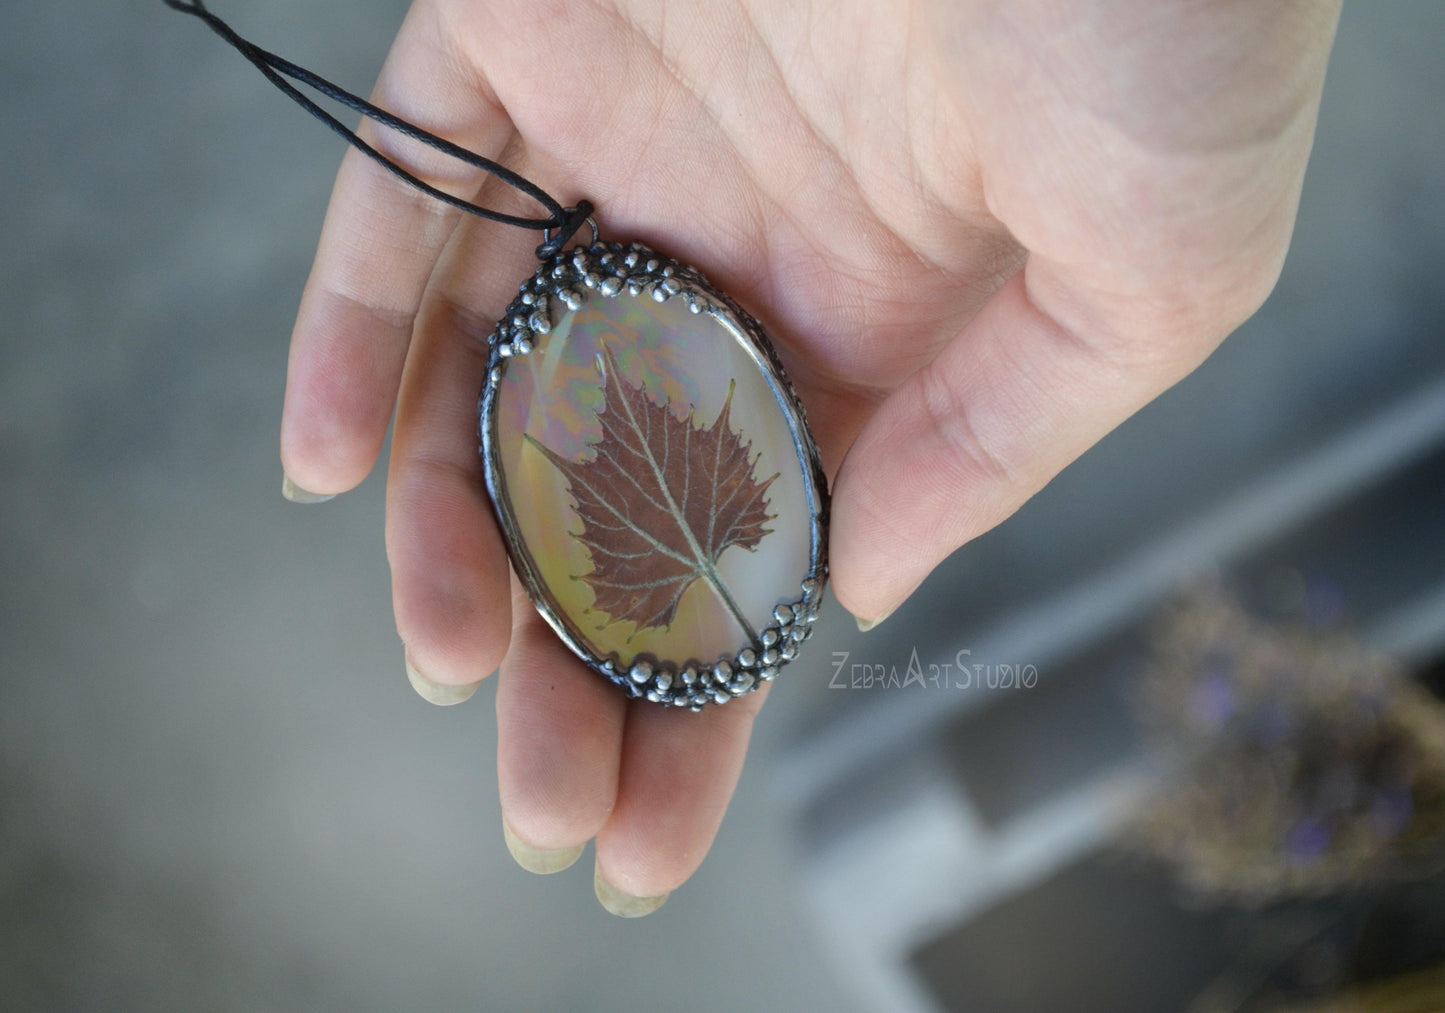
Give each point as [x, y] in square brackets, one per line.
[787, 198]
[870, 182]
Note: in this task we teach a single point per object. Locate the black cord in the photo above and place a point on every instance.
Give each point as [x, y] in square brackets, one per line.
[561, 221]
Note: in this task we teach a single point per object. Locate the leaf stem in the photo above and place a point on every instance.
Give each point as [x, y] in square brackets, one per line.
[715, 579]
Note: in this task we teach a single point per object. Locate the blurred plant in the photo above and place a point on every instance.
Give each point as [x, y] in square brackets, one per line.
[1308, 765]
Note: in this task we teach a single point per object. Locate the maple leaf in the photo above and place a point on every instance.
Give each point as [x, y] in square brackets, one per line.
[660, 499]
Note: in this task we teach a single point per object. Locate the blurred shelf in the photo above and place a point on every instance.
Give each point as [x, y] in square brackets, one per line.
[936, 810]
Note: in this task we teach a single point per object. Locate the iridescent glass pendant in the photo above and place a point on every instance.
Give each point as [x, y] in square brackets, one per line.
[652, 470]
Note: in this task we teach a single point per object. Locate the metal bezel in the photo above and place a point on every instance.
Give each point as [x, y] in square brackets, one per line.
[608, 270]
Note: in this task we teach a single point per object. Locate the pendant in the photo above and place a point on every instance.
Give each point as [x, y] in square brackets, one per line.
[652, 471]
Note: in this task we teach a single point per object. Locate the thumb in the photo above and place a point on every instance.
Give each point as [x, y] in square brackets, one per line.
[1034, 380]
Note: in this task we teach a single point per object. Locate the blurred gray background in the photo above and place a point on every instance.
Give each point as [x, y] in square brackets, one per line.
[216, 788]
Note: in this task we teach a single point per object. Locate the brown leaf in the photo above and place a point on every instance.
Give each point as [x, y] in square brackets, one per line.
[661, 498]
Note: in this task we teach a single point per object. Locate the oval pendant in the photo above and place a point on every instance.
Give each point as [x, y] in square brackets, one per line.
[653, 474]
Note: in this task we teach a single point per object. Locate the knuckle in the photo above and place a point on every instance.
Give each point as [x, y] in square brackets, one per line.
[969, 458]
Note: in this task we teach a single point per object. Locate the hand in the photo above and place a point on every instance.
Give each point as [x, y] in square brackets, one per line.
[983, 233]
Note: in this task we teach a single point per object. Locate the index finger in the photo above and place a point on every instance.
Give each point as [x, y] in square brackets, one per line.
[378, 247]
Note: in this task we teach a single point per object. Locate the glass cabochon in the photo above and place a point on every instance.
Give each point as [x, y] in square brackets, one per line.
[655, 480]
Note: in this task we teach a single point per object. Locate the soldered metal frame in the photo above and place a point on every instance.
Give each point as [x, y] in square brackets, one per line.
[566, 281]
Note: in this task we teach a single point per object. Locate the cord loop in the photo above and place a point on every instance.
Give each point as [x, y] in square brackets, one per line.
[565, 221]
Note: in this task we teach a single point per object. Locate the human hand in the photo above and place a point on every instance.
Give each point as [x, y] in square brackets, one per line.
[982, 233]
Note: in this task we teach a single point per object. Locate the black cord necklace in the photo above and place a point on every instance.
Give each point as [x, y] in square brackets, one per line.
[650, 466]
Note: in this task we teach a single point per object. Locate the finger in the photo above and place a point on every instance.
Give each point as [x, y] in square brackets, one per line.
[559, 742]
[449, 567]
[967, 439]
[678, 773]
[378, 246]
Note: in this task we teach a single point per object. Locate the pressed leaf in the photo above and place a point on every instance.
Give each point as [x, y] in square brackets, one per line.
[661, 497]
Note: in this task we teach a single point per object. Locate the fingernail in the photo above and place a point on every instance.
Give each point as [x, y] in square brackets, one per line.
[296, 494]
[439, 693]
[623, 905]
[542, 861]
[864, 625]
